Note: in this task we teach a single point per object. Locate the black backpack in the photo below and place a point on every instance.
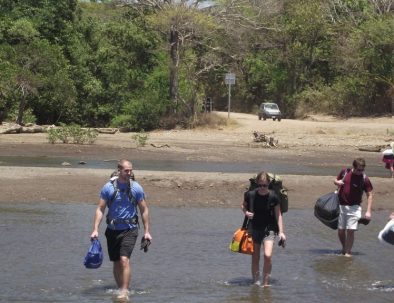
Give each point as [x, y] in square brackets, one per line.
[275, 185]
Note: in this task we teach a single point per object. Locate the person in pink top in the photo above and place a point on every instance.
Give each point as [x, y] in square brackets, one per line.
[388, 158]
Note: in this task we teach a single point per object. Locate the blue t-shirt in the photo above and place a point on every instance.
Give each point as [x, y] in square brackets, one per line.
[121, 207]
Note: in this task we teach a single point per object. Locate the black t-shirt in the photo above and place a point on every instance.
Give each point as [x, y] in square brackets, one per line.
[264, 211]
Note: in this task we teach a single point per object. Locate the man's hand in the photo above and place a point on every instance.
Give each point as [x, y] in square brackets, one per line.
[94, 235]
[145, 244]
[368, 215]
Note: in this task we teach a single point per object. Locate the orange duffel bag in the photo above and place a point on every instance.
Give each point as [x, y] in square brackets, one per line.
[242, 241]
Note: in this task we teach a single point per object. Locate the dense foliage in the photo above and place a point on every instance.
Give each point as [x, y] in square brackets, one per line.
[148, 64]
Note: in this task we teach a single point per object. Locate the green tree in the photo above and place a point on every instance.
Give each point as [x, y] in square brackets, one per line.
[183, 26]
[111, 55]
[39, 73]
[42, 79]
[366, 64]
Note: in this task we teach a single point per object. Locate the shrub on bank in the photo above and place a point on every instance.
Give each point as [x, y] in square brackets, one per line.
[141, 138]
[71, 134]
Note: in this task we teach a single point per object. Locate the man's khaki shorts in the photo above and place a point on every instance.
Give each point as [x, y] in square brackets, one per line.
[349, 216]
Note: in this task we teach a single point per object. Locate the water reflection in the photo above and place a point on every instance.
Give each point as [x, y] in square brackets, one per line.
[253, 294]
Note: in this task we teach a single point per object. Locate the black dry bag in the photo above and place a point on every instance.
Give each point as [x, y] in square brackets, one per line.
[94, 257]
[327, 209]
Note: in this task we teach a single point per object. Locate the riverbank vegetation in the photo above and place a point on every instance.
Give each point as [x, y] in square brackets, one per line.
[150, 64]
[73, 134]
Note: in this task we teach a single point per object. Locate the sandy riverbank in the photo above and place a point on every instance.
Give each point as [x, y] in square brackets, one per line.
[318, 140]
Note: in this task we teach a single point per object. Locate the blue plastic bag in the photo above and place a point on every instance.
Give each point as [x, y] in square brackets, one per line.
[94, 257]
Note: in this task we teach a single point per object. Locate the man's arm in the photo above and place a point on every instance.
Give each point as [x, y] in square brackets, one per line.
[142, 205]
[368, 213]
[99, 214]
[339, 180]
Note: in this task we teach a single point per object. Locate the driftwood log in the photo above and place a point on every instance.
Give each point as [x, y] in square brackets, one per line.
[265, 139]
[159, 146]
[375, 149]
[11, 129]
[103, 130]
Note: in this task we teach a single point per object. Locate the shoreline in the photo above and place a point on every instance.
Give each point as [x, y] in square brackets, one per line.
[167, 189]
[323, 142]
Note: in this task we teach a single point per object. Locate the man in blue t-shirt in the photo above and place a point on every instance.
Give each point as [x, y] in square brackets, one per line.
[122, 196]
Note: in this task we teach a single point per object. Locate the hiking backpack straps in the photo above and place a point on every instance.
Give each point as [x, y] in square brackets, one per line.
[116, 192]
[132, 199]
[249, 195]
[362, 183]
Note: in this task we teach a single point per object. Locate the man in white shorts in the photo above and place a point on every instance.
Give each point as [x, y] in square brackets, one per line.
[352, 182]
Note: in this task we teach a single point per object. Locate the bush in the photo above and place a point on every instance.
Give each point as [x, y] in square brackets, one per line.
[346, 97]
[174, 120]
[139, 115]
[72, 134]
[210, 120]
[311, 101]
[28, 116]
[141, 138]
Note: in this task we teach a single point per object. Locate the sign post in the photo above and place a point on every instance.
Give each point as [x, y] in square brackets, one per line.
[230, 80]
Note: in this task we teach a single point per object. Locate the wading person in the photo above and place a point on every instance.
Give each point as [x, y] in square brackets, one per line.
[388, 159]
[352, 184]
[262, 208]
[122, 196]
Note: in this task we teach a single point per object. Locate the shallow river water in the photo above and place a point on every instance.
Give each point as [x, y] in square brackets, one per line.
[43, 246]
[288, 166]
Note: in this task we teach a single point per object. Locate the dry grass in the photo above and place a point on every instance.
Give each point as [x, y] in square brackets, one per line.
[213, 120]
[390, 132]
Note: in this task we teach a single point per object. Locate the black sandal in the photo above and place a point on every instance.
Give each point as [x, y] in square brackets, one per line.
[145, 244]
[364, 221]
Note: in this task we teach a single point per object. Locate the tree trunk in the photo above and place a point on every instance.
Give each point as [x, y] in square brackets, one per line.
[22, 106]
[174, 68]
[194, 105]
[391, 98]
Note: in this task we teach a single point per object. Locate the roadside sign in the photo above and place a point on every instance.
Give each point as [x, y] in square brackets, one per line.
[229, 79]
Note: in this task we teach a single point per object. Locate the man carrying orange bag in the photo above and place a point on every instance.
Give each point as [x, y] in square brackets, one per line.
[261, 206]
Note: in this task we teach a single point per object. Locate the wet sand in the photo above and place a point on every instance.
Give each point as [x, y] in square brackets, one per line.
[319, 141]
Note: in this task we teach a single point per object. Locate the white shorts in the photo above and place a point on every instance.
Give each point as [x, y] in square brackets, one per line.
[349, 216]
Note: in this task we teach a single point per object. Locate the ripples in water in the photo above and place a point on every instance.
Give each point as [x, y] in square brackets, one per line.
[188, 260]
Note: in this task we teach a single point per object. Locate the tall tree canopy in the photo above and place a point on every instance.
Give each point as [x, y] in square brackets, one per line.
[141, 64]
